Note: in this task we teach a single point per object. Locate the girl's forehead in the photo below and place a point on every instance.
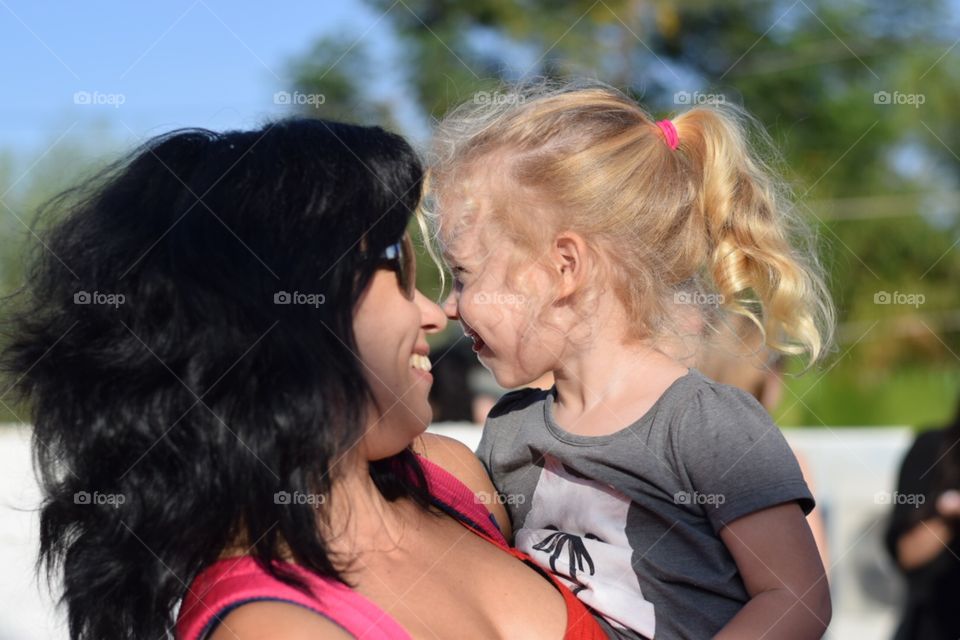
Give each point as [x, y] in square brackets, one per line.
[473, 187]
[460, 202]
[459, 226]
[466, 202]
[456, 247]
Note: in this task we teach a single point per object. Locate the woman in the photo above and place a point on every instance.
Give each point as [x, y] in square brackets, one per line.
[923, 536]
[225, 356]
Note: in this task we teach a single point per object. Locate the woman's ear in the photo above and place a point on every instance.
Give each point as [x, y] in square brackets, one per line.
[570, 259]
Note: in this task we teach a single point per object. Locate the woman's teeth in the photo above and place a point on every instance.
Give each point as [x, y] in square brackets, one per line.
[421, 362]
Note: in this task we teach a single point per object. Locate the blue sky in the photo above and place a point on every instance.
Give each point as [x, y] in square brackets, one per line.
[209, 63]
[175, 63]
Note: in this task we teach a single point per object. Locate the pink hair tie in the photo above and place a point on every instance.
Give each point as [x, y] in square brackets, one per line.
[669, 133]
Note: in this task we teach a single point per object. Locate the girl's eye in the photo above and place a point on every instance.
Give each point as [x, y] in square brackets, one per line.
[458, 273]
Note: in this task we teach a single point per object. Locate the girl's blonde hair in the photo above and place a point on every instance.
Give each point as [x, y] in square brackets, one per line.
[706, 224]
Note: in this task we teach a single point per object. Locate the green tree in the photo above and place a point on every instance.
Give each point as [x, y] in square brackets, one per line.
[855, 95]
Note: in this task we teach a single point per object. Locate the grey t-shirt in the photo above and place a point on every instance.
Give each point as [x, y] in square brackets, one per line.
[630, 521]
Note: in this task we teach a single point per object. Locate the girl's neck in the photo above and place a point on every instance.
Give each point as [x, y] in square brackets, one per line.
[601, 390]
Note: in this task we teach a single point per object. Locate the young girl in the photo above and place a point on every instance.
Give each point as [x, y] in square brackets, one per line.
[587, 240]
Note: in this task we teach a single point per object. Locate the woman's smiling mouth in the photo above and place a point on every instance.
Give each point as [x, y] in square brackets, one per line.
[421, 365]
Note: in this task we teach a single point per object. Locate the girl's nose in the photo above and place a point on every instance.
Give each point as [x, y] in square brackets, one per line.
[450, 307]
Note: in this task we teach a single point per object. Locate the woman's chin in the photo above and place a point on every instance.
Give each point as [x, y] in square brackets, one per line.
[422, 423]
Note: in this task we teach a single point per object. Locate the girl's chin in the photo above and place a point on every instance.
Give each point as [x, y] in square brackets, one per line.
[505, 381]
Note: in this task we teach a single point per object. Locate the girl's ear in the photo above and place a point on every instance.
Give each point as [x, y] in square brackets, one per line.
[569, 259]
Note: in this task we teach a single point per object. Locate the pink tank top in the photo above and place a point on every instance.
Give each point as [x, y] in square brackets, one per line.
[231, 582]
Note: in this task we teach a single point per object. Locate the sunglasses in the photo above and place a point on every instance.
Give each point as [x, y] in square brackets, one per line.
[398, 257]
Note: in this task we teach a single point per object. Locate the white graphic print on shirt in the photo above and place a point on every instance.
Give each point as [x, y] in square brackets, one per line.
[577, 529]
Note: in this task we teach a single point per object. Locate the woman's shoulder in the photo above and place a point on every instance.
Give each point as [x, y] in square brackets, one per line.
[457, 460]
[277, 620]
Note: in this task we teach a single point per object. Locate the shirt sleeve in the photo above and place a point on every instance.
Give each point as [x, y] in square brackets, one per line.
[492, 426]
[486, 446]
[735, 458]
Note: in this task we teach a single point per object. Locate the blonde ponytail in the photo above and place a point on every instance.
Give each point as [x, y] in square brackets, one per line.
[762, 259]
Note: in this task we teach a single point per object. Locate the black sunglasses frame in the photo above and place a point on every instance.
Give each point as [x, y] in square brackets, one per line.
[398, 257]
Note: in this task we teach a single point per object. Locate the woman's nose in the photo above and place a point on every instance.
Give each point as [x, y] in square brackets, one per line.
[432, 318]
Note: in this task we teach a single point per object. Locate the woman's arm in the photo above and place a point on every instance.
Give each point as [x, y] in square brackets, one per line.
[918, 546]
[269, 620]
[458, 460]
[928, 539]
[781, 569]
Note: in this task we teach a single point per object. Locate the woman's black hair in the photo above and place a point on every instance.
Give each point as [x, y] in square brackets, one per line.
[185, 345]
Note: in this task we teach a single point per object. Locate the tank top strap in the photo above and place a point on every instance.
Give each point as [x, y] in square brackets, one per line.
[459, 501]
[231, 582]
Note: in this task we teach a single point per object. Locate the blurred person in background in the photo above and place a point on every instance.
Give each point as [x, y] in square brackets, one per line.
[451, 395]
[924, 535]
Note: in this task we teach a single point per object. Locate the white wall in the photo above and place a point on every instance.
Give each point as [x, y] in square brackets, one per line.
[27, 610]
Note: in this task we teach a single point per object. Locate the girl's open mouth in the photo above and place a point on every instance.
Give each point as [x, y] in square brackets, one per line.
[478, 342]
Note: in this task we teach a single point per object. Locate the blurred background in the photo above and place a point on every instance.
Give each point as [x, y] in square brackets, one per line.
[859, 96]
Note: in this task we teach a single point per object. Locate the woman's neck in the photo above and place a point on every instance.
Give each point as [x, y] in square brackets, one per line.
[358, 518]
